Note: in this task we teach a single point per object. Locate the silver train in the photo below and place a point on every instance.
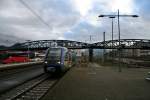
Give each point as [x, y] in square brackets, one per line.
[58, 59]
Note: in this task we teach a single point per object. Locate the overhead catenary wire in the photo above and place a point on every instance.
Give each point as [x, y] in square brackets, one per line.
[33, 12]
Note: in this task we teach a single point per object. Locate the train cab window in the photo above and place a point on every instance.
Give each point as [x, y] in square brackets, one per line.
[54, 54]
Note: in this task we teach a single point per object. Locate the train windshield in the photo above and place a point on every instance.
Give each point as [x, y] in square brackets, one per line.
[54, 54]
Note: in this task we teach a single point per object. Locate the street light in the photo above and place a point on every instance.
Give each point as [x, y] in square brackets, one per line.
[114, 16]
[118, 15]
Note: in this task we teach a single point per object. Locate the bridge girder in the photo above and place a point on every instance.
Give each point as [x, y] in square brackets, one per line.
[125, 44]
[44, 44]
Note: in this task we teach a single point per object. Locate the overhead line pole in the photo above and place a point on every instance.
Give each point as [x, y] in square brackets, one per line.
[91, 39]
[103, 59]
[112, 30]
[119, 50]
[112, 20]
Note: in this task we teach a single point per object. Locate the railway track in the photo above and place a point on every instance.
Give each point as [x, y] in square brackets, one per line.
[32, 90]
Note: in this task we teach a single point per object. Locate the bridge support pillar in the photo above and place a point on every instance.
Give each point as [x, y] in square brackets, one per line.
[90, 55]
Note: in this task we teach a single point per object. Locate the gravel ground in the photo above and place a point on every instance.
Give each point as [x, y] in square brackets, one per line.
[94, 82]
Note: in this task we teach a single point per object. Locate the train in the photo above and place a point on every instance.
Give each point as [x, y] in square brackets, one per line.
[8, 57]
[58, 59]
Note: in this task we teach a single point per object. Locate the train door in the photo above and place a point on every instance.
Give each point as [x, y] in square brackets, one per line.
[68, 59]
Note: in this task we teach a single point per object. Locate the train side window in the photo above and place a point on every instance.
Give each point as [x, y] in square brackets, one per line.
[66, 57]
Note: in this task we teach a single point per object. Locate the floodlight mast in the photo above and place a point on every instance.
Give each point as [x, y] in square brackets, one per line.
[118, 16]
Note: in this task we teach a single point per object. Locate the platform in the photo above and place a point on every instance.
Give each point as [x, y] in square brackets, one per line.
[18, 65]
[94, 82]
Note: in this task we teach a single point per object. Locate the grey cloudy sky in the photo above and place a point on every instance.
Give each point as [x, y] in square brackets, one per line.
[71, 19]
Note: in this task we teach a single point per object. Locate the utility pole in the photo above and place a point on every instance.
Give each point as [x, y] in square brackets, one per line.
[90, 50]
[118, 15]
[104, 38]
[90, 38]
[103, 59]
[112, 30]
[112, 34]
[119, 49]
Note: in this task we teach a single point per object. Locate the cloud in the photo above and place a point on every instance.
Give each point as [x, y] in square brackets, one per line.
[82, 6]
[125, 6]
[19, 22]
[130, 27]
[71, 19]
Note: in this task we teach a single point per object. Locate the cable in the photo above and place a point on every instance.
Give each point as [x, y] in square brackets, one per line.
[38, 16]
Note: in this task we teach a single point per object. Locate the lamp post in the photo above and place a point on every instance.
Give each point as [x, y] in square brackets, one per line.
[118, 15]
[114, 16]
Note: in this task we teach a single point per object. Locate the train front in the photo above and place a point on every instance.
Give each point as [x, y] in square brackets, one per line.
[53, 60]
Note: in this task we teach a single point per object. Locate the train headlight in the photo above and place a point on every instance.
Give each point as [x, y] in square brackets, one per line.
[45, 62]
[58, 62]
